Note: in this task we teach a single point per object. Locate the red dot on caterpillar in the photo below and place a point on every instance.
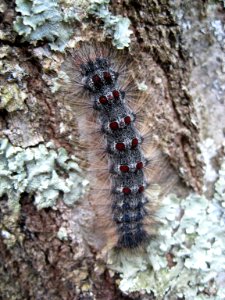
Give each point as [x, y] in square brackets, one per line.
[127, 120]
[114, 125]
[116, 94]
[139, 165]
[126, 190]
[141, 189]
[124, 168]
[120, 146]
[114, 120]
[103, 100]
[97, 81]
[134, 143]
[107, 77]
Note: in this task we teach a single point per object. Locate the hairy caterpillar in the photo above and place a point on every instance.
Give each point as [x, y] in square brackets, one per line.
[121, 157]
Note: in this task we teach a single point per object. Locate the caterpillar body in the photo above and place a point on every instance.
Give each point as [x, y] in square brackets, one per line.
[106, 111]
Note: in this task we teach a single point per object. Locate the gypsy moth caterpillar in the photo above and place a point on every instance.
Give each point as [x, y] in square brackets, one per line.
[123, 169]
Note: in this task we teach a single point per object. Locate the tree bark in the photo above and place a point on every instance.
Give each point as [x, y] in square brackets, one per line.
[47, 246]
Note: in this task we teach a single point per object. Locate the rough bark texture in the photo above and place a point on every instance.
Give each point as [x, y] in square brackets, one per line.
[35, 263]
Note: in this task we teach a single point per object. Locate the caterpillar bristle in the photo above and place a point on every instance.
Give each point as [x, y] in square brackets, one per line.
[123, 157]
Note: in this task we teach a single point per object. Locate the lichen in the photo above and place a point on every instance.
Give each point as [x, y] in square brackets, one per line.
[115, 26]
[45, 20]
[142, 86]
[12, 94]
[208, 151]
[218, 28]
[187, 260]
[12, 98]
[53, 21]
[42, 172]
[62, 233]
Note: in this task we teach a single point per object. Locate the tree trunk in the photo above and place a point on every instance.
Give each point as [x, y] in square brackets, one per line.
[48, 248]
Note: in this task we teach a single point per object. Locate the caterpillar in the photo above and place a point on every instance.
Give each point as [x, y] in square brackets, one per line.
[121, 157]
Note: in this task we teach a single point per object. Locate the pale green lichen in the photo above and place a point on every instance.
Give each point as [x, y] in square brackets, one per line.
[12, 98]
[52, 21]
[43, 173]
[3, 7]
[62, 233]
[219, 32]
[208, 151]
[121, 35]
[4, 51]
[45, 20]
[39, 171]
[192, 239]
[34, 170]
[142, 86]
[116, 26]
[12, 94]
[55, 84]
